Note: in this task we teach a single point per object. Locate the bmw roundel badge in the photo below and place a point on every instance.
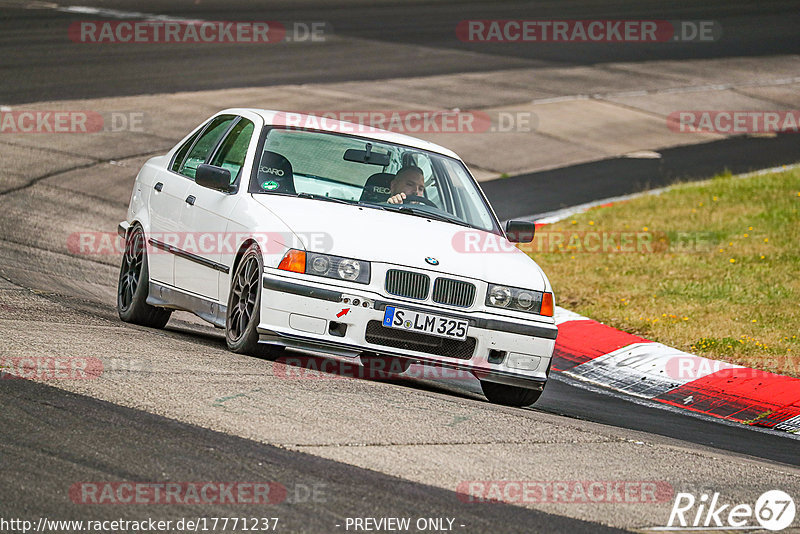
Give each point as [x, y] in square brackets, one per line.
[432, 261]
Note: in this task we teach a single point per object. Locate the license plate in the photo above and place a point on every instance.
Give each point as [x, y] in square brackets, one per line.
[425, 323]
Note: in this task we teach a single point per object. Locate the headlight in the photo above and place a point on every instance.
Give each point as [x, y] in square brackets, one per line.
[515, 298]
[337, 267]
[498, 296]
[349, 269]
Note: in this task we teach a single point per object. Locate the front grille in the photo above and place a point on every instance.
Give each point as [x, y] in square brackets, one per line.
[453, 292]
[407, 284]
[401, 339]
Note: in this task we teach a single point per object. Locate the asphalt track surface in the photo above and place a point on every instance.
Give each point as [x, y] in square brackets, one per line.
[48, 436]
[378, 40]
[545, 191]
[95, 440]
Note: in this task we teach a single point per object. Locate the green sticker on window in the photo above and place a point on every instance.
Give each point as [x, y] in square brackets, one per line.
[270, 185]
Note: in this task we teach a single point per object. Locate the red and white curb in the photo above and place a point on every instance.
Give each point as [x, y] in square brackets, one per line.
[592, 352]
[598, 354]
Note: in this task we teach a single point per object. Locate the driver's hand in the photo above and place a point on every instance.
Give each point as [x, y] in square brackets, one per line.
[397, 199]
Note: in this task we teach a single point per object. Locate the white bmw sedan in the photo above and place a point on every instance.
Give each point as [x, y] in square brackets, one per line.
[343, 240]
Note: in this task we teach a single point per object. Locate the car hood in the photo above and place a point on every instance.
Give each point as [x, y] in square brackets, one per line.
[399, 239]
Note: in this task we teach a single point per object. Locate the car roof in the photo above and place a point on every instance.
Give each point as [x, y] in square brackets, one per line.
[336, 126]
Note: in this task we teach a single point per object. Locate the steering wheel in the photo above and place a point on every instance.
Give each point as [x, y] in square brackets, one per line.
[421, 200]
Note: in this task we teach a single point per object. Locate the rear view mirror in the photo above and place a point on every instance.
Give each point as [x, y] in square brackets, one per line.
[520, 231]
[213, 177]
[367, 156]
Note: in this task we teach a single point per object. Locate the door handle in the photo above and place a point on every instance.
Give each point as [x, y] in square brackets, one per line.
[158, 187]
[190, 200]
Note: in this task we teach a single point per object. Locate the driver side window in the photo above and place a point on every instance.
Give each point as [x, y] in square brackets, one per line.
[234, 149]
[204, 145]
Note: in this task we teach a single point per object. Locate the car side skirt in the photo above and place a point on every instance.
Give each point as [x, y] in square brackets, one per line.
[170, 297]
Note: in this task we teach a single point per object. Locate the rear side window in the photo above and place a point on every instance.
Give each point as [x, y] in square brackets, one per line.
[204, 145]
[234, 149]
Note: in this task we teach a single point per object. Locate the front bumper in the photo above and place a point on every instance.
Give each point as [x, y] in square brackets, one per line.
[301, 314]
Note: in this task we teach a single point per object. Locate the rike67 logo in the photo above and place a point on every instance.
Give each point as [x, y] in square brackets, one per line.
[773, 510]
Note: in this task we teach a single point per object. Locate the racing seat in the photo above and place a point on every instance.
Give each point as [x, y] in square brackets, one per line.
[275, 169]
[377, 187]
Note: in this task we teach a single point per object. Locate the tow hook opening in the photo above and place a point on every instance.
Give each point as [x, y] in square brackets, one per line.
[496, 356]
[337, 329]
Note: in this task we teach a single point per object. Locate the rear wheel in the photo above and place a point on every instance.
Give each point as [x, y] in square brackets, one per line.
[509, 395]
[244, 307]
[134, 284]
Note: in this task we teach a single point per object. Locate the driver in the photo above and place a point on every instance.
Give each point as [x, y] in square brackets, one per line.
[409, 181]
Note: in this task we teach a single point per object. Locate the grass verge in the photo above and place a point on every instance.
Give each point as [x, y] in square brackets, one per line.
[711, 268]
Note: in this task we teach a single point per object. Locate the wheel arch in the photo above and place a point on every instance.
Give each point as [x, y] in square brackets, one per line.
[246, 244]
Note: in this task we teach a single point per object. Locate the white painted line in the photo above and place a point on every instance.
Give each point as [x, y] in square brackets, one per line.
[562, 315]
[290, 37]
[560, 377]
[556, 99]
[117, 14]
[790, 425]
[551, 217]
[40, 5]
[668, 90]
[643, 154]
[646, 370]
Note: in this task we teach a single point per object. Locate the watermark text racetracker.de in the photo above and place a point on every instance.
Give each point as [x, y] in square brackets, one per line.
[411, 121]
[196, 32]
[70, 121]
[587, 241]
[50, 368]
[317, 368]
[102, 243]
[463, 241]
[60, 367]
[565, 491]
[732, 122]
[587, 31]
[149, 524]
[688, 367]
[208, 492]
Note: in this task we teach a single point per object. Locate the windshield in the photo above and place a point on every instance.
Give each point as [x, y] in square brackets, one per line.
[352, 169]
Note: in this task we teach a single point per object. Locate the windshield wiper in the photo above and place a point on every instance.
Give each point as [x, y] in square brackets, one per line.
[315, 196]
[323, 197]
[430, 215]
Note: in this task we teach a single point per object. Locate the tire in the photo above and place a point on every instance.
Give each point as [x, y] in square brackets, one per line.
[509, 395]
[244, 308]
[134, 284]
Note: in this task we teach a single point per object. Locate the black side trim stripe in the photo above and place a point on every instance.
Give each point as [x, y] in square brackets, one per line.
[516, 328]
[189, 256]
[304, 291]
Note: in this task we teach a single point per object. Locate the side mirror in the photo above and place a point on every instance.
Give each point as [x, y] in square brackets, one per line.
[213, 177]
[520, 231]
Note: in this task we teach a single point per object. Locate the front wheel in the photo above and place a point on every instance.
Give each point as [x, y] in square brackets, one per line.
[509, 395]
[244, 307]
[134, 284]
